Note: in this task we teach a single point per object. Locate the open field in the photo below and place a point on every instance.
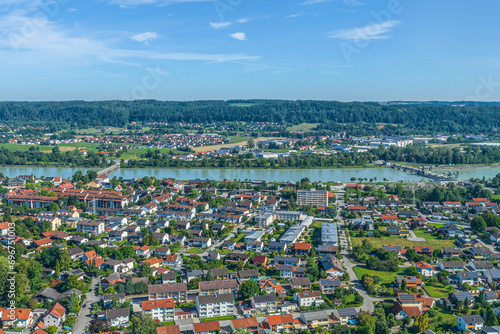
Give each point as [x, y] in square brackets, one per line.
[302, 127]
[403, 242]
[387, 276]
[238, 139]
[218, 147]
[16, 147]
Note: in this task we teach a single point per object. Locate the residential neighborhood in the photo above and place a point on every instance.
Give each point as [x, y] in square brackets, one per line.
[223, 256]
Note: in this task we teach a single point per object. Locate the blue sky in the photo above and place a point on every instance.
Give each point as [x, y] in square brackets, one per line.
[346, 50]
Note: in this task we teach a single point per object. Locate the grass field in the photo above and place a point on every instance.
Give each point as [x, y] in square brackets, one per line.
[302, 127]
[495, 197]
[387, 276]
[193, 250]
[238, 139]
[438, 292]
[16, 147]
[430, 240]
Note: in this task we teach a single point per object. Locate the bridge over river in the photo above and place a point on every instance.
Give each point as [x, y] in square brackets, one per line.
[109, 169]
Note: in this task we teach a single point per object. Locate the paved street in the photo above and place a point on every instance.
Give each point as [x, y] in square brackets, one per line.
[85, 317]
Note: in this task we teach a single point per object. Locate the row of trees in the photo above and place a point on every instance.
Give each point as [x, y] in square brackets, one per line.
[356, 118]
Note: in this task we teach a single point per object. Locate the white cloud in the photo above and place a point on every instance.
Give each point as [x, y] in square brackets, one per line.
[71, 10]
[244, 20]
[368, 32]
[220, 25]
[145, 37]
[241, 36]
[312, 2]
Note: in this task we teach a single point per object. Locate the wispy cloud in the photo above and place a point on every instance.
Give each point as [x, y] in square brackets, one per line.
[145, 37]
[312, 2]
[293, 16]
[220, 25]
[244, 20]
[368, 32]
[241, 36]
[133, 3]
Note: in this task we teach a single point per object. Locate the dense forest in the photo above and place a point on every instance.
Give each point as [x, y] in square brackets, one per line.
[355, 118]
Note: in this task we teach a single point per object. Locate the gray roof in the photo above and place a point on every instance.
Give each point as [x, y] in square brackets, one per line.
[225, 298]
[495, 273]
[301, 281]
[116, 313]
[48, 293]
[347, 312]
[471, 319]
[312, 316]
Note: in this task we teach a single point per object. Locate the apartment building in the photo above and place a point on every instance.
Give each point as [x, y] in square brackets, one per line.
[96, 228]
[218, 287]
[312, 197]
[215, 306]
[177, 291]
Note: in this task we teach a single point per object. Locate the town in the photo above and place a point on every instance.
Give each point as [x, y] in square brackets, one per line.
[103, 255]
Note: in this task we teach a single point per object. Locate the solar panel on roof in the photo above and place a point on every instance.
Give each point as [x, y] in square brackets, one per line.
[407, 297]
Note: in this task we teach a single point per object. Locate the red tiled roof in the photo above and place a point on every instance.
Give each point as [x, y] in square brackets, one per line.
[206, 327]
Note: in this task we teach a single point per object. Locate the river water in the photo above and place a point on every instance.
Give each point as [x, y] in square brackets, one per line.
[342, 174]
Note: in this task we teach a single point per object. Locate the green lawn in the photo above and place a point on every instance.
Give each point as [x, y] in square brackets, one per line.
[438, 292]
[238, 237]
[437, 225]
[387, 276]
[403, 242]
[495, 197]
[194, 250]
[302, 127]
[316, 224]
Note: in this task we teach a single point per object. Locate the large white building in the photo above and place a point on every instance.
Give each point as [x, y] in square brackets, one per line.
[215, 306]
[312, 197]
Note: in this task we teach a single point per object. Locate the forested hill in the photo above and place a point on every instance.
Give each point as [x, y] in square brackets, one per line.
[359, 118]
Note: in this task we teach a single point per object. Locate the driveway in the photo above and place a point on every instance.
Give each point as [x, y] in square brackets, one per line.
[84, 318]
[413, 237]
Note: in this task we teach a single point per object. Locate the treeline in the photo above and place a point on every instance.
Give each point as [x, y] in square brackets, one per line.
[449, 193]
[354, 117]
[39, 158]
[248, 161]
[440, 155]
